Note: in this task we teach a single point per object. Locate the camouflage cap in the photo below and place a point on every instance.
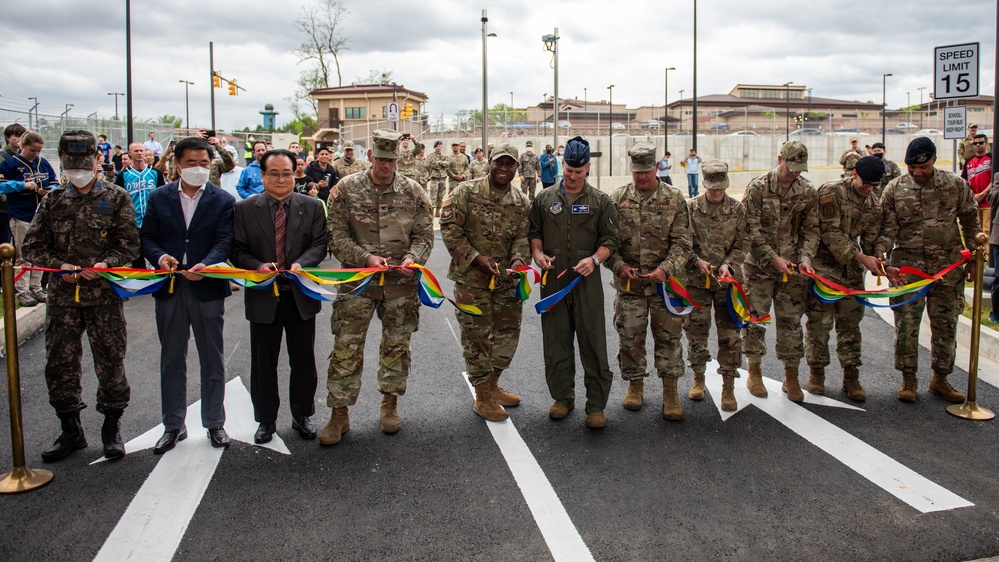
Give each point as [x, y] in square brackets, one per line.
[715, 174]
[972, 125]
[643, 156]
[796, 156]
[77, 150]
[530, 144]
[504, 149]
[348, 144]
[385, 144]
[854, 139]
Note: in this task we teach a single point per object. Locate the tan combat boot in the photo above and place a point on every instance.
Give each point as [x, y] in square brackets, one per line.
[485, 406]
[909, 384]
[755, 381]
[816, 380]
[633, 397]
[697, 389]
[943, 389]
[671, 400]
[501, 396]
[389, 415]
[851, 384]
[559, 410]
[791, 386]
[596, 420]
[338, 425]
[728, 403]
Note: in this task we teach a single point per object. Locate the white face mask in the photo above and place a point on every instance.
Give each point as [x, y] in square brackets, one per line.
[196, 176]
[80, 178]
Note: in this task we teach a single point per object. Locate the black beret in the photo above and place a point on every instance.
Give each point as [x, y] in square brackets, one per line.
[921, 150]
[880, 145]
[870, 168]
[438, 143]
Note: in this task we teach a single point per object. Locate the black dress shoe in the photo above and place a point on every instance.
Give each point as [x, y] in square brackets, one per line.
[304, 427]
[218, 437]
[169, 440]
[265, 432]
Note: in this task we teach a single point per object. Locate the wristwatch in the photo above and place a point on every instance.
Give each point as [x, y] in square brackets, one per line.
[596, 260]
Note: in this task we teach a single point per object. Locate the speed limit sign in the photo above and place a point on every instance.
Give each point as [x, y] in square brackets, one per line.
[955, 71]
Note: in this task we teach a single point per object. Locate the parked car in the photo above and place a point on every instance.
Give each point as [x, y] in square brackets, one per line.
[651, 124]
[806, 133]
[743, 134]
[720, 127]
[893, 132]
[928, 132]
[906, 126]
[564, 125]
[846, 132]
[617, 127]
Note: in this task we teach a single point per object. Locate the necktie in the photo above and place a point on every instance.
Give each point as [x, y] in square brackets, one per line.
[280, 222]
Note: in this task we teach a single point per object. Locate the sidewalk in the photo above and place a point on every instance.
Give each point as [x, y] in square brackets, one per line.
[30, 321]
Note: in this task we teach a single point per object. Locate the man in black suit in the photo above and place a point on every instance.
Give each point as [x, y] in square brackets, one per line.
[280, 230]
[187, 226]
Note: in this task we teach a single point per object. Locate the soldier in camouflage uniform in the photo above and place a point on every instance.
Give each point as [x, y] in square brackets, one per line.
[849, 158]
[438, 164]
[574, 229]
[407, 158]
[784, 234]
[892, 170]
[377, 218]
[457, 169]
[530, 170]
[348, 164]
[965, 148]
[479, 168]
[849, 220]
[654, 226]
[85, 223]
[920, 227]
[484, 225]
[422, 169]
[720, 237]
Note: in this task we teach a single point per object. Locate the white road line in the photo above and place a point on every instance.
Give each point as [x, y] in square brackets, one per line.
[561, 535]
[885, 472]
[155, 522]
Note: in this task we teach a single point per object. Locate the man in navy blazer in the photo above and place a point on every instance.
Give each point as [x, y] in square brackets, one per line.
[187, 226]
[292, 313]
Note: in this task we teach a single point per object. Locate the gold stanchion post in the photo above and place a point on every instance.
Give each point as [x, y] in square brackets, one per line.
[970, 410]
[21, 478]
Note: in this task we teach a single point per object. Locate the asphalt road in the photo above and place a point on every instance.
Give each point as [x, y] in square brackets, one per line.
[747, 488]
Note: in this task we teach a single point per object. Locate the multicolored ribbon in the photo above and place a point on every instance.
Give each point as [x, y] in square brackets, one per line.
[829, 291]
[676, 297]
[738, 305]
[525, 273]
[430, 293]
[549, 302]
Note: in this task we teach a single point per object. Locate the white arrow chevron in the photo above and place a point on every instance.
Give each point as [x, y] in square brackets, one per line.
[890, 475]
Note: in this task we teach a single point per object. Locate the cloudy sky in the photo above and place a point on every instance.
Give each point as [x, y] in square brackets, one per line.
[65, 51]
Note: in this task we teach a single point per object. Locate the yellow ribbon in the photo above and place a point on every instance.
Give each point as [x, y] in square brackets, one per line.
[544, 278]
[172, 277]
[381, 279]
[627, 285]
[76, 297]
[492, 282]
[276, 292]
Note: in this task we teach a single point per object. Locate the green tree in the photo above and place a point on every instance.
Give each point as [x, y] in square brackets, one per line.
[324, 42]
[172, 120]
[499, 115]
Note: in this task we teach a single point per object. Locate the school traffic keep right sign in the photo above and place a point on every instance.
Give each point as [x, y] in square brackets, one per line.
[955, 71]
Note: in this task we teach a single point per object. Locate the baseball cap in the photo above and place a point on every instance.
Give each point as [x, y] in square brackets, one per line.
[77, 150]
[796, 156]
[504, 149]
[348, 144]
[643, 156]
[715, 174]
[385, 144]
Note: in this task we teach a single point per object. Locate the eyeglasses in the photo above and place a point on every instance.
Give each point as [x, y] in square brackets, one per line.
[280, 176]
[979, 143]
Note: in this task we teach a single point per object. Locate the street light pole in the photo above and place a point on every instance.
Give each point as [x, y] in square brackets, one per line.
[666, 108]
[610, 119]
[128, 73]
[551, 45]
[485, 91]
[187, 104]
[116, 94]
[693, 130]
[35, 109]
[921, 88]
[787, 111]
[884, 105]
[681, 111]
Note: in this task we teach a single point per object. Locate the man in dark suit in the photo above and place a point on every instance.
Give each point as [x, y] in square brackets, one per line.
[187, 226]
[280, 230]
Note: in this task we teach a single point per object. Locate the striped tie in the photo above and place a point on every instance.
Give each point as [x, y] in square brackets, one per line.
[280, 222]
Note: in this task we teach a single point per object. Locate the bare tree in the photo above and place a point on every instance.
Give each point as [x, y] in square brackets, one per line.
[321, 23]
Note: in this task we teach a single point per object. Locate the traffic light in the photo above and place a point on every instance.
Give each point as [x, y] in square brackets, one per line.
[409, 111]
[232, 87]
[216, 80]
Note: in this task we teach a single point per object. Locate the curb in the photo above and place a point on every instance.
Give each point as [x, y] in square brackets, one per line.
[988, 343]
[29, 321]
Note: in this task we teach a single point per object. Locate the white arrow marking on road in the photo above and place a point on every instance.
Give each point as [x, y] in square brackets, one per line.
[890, 475]
[155, 522]
[553, 521]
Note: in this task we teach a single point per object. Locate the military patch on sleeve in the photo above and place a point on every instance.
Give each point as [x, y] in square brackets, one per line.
[446, 202]
[334, 192]
[447, 214]
[556, 208]
[828, 205]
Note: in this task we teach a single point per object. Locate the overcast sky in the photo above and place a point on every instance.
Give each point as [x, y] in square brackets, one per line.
[74, 52]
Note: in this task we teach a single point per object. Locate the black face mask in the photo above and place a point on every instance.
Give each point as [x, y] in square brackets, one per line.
[879, 155]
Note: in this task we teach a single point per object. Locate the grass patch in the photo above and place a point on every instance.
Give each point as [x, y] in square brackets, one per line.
[986, 310]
